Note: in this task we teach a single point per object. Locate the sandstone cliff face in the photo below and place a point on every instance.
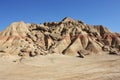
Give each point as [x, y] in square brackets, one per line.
[68, 37]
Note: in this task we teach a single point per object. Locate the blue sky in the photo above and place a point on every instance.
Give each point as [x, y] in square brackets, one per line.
[103, 12]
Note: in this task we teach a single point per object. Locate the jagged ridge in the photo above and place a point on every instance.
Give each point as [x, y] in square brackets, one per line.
[68, 37]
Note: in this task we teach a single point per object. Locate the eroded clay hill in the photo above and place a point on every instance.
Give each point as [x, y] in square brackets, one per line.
[68, 37]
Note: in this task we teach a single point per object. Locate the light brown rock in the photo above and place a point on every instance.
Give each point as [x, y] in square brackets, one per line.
[68, 37]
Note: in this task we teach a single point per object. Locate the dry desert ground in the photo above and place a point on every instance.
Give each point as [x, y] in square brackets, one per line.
[59, 67]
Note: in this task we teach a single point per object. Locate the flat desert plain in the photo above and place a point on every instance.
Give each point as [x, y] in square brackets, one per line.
[59, 67]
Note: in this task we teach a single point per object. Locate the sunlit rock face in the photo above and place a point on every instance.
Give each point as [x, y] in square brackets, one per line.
[68, 37]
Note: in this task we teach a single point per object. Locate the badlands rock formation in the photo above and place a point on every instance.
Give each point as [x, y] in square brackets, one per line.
[68, 37]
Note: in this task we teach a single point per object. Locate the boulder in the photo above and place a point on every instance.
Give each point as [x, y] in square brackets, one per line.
[106, 48]
[113, 51]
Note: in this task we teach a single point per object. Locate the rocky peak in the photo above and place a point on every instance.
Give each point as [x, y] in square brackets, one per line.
[68, 19]
[16, 29]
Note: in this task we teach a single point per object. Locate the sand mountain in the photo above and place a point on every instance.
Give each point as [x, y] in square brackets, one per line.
[68, 37]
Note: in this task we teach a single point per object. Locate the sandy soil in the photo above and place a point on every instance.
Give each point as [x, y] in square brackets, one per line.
[58, 67]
